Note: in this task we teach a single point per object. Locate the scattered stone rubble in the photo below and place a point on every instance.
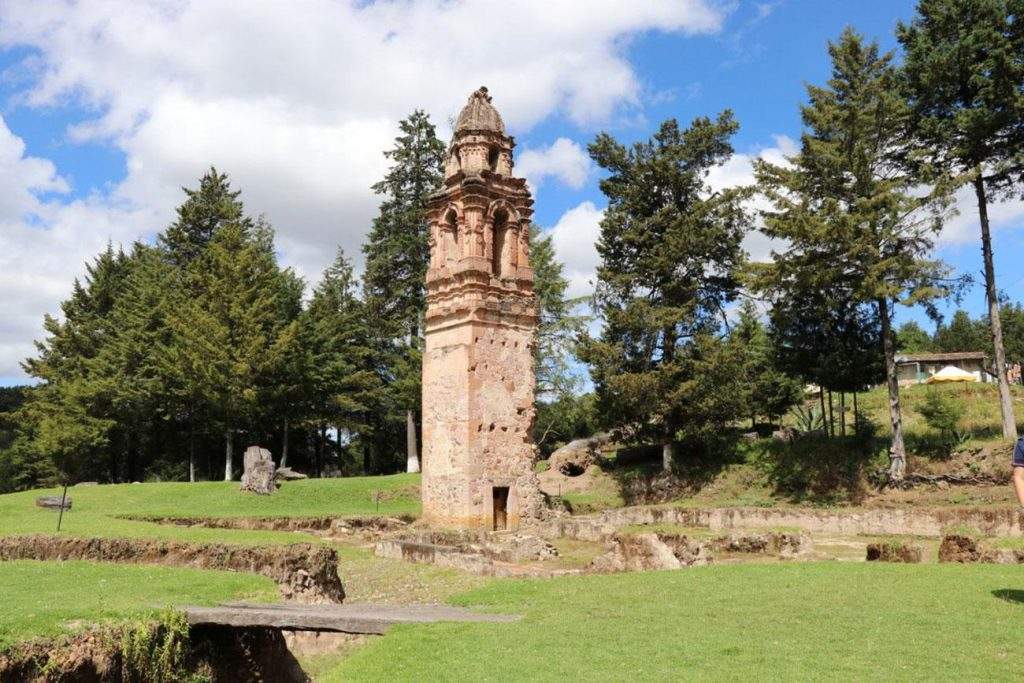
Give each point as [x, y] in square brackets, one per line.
[958, 548]
[640, 552]
[895, 551]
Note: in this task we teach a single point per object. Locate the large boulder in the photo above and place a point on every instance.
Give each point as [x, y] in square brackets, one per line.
[54, 502]
[258, 471]
[575, 457]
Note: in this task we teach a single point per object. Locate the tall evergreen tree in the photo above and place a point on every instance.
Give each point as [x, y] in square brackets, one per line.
[397, 254]
[200, 216]
[229, 327]
[559, 325]
[961, 334]
[766, 389]
[670, 255]
[852, 219]
[69, 424]
[126, 373]
[344, 386]
[964, 69]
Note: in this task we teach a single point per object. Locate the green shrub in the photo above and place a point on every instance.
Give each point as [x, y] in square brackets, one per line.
[943, 413]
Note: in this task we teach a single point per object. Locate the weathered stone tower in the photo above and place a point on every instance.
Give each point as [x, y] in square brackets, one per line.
[481, 321]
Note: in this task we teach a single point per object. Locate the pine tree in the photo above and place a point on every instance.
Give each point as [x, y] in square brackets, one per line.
[559, 324]
[226, 331]
[961, 334]
[126, 372]
[852, 219]
[910, 338]
[202, 214]
[766, 390]
[397, 254]
[344, 386]
[964, 70]
[670, 255]
[69, 424]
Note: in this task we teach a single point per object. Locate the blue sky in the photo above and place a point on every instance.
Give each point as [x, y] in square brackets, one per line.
[107, 109]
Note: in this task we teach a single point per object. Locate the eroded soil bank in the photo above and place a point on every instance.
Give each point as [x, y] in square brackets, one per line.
[303, 572]
[151, 652]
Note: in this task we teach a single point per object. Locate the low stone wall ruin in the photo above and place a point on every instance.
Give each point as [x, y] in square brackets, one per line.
[475, 552]
[868, 521]
[303, 572]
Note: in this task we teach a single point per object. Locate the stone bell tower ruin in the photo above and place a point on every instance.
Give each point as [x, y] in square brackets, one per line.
[481, 321]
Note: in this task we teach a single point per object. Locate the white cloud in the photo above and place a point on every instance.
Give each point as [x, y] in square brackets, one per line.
[574, 237]
[43, 244]
[739, 171]
[965, 226]
[563, 159]
[295, 100]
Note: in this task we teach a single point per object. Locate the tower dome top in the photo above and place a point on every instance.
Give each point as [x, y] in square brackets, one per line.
[480, 114]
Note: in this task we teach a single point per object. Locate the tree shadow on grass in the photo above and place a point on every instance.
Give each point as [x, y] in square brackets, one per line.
[637, 469]
[1010, 595]
[820, 470]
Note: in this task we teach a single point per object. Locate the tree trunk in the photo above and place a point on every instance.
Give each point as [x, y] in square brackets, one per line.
[284, 445]
[897, 451]
[856, 415]
[412, 455]
[831, 416]
[1005, 398]
[321, 436]
[842, 412]
[192, 455]
[668, 452]
[821, 398]
[229, 454]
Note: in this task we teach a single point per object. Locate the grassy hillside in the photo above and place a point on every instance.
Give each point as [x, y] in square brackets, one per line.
[97, 510]
[981, 418]
[51, 598]
[771, 622]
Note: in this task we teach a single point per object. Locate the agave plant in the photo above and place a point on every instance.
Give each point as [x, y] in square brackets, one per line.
[807, 420]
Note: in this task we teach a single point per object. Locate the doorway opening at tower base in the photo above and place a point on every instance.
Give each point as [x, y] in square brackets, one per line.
[500, 495]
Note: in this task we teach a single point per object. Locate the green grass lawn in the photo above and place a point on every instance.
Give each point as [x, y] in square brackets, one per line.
[815, 621]
[46, 598]
[96, 510]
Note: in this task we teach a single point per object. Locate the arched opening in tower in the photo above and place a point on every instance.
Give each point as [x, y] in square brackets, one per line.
[452, 222]
[492, 159]
[498, 259]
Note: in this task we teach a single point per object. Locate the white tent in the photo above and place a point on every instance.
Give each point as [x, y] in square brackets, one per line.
[951, 374]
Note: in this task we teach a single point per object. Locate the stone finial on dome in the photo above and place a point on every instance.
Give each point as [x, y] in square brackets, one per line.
[480, 114]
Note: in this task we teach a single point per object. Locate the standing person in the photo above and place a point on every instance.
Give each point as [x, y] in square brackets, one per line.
[1018, 471]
